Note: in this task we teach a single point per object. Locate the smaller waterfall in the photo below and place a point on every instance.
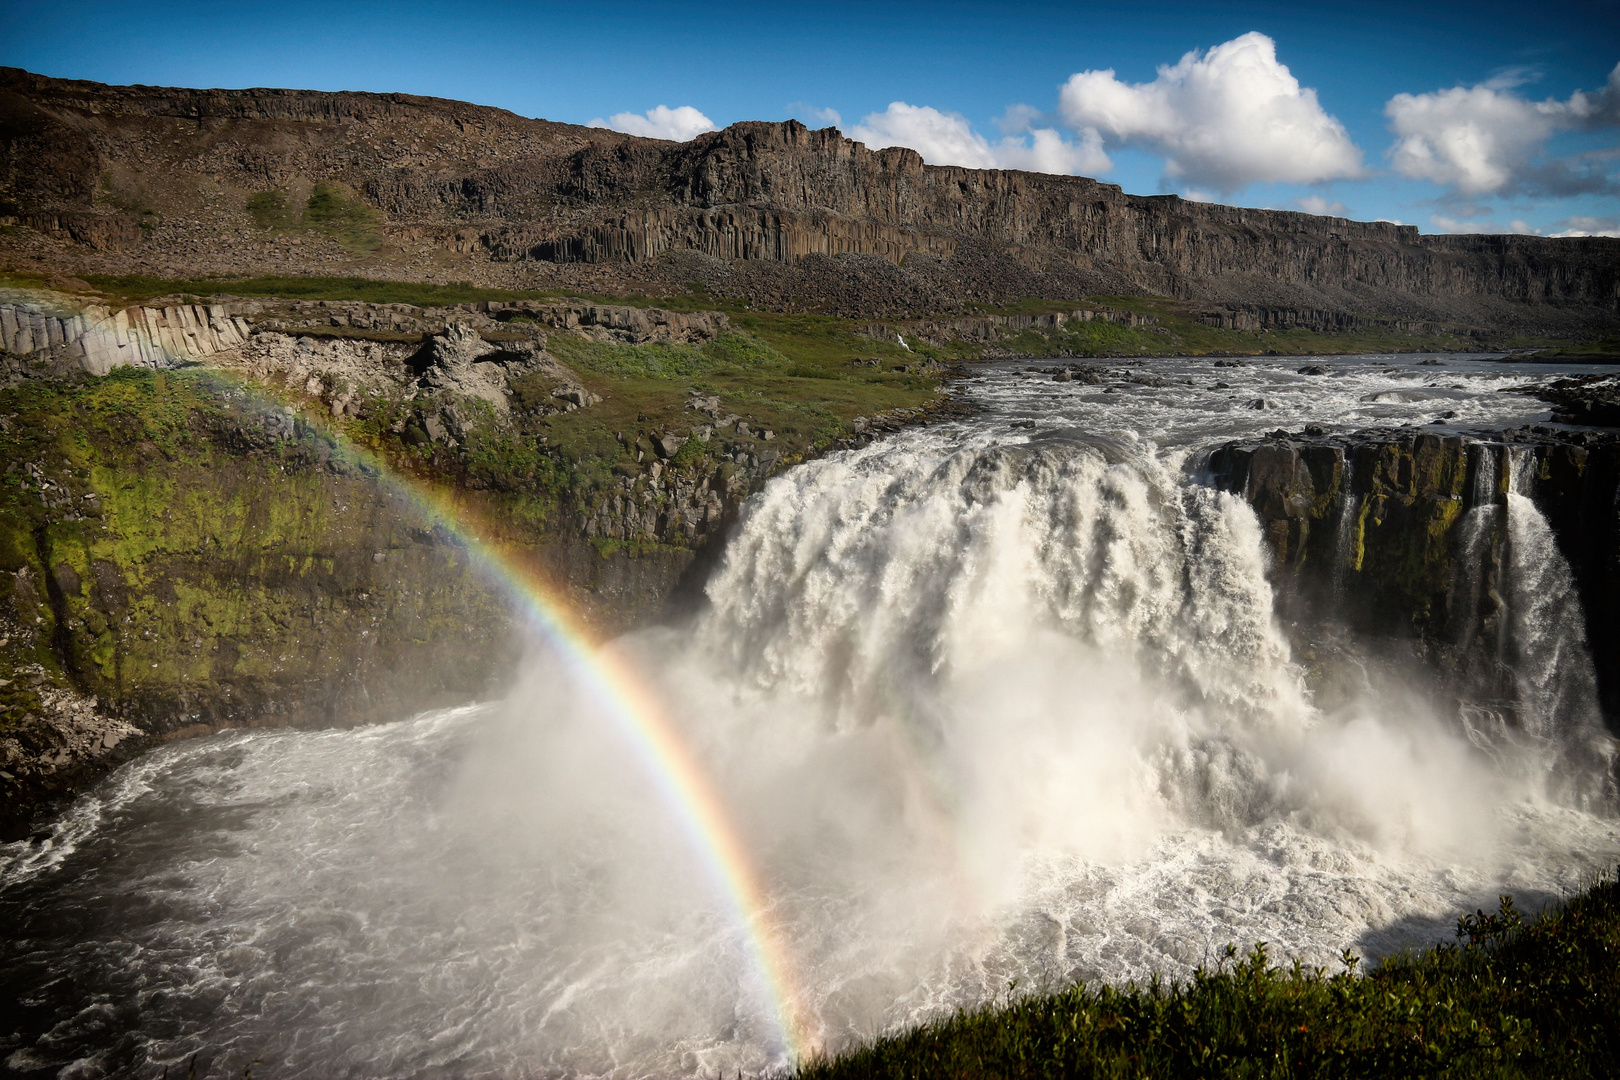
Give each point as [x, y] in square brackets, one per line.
[1345, 533]
[1544, 631]
[1469, 580]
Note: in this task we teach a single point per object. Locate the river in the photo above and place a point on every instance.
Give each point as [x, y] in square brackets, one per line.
[993, 705]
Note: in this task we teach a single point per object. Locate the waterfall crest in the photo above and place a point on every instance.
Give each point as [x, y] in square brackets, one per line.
[986, 711]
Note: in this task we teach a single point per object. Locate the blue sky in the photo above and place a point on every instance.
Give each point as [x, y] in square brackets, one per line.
[1284, 105]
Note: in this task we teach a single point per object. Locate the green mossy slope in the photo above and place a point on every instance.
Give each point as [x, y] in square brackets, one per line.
[190, 554]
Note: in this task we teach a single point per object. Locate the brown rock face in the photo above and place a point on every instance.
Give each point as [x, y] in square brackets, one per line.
[145, 178]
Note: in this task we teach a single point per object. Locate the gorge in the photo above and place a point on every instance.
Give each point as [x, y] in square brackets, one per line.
[1002, 700]
[486, 597]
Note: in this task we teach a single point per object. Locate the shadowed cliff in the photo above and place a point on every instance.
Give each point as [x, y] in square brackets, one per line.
[156, 180]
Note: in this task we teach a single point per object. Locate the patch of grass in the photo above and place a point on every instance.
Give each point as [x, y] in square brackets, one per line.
[730, 354]
[271, 210]
[133, 288]
[1513, 997]
[346, 219]
[330, 210]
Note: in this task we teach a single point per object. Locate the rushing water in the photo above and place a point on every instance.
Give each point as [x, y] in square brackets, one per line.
[996, 706]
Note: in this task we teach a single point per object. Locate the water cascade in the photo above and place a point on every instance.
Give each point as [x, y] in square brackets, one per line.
[989, 712]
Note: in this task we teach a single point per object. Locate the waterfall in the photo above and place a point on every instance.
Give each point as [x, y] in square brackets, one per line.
[1544, 642]
[1475, 535]
[1344, 533]
[984, 713]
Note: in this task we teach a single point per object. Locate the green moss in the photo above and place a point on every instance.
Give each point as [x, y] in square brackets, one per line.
[212, 560]
[271, 210]
[338, 214]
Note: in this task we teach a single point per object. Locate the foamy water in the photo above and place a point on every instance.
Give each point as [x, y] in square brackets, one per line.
[995, 708]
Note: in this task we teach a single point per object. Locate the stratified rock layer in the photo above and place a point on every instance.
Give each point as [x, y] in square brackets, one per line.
[160, 179]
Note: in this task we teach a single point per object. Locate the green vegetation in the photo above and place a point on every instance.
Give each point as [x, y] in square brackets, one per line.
[271, 210]
[1176, 330]
[134, 288]
[330, 211]
[728, 354]
[1512, 998]
[167, 536]
[344, 218]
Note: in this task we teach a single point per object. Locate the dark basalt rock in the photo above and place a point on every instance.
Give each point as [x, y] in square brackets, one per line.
[1592, 400]
[1365, 529]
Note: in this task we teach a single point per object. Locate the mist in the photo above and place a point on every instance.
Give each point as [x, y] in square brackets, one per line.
[990, 715]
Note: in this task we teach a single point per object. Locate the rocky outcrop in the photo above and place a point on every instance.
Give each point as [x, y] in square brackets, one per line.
[97, 339]
[174, 561]
[1402, 535]
[632, 324]
[1585, 399]
[990, 329]
[761, 211]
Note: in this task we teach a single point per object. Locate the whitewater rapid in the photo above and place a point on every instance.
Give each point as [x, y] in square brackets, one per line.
[995, 706]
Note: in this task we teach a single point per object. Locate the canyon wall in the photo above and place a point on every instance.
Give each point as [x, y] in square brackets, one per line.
[1408, 538]
[757, 210]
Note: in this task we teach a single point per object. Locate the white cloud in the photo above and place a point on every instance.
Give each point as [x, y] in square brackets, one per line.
[1018, 119]
[1588, 226]
[810, 114]
[1224, 119]
[1452, 225]
[1486, 139]
[1316, 204]
[678, 125]
[948, 139]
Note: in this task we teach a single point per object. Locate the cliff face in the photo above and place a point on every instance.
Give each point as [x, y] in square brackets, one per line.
[1406, 537]
[151, 178]
[173, 561]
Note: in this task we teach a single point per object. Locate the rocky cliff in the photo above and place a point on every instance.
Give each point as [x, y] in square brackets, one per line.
[1407, 538]
[178, 182]
[216, 515]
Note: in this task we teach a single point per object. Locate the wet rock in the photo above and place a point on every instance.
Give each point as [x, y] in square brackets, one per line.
[1591, 399]
[1367, 527]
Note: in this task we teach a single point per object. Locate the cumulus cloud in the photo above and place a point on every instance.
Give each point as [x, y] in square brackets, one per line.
[678, 125]
[1587, 226]
[810, 114]
[1018, 119]
[1316, 204]
[948, 139]
[1224, 119]
[1487, 139]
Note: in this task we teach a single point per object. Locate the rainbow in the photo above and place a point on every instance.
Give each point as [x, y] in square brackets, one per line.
[611, 679]
[648, 727]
